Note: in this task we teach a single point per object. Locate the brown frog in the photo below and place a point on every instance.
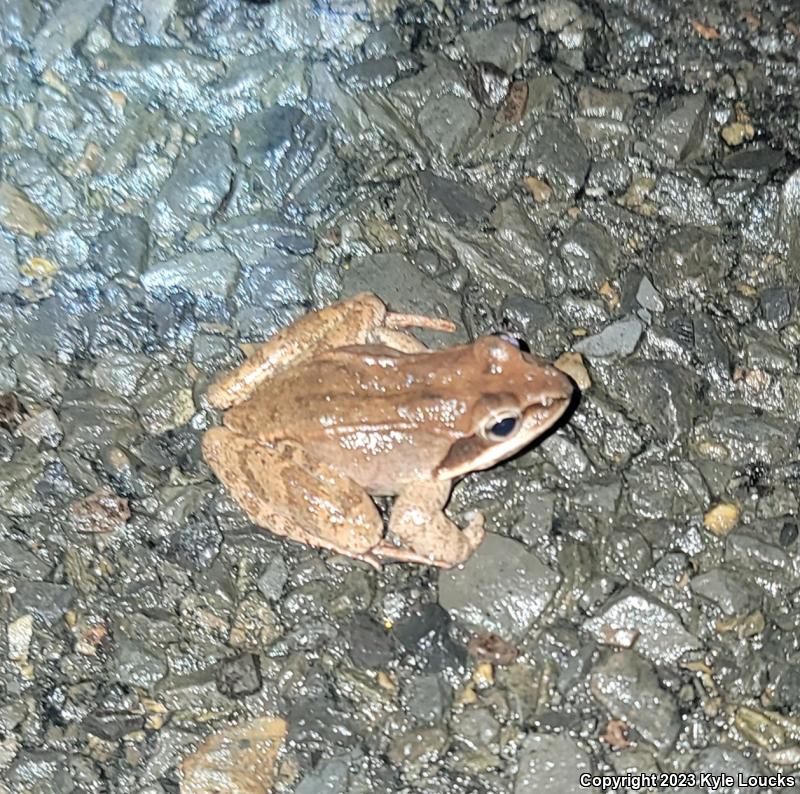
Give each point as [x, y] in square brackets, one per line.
[343, 405]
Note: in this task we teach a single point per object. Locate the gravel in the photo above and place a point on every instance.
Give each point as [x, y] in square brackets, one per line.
[619, 182]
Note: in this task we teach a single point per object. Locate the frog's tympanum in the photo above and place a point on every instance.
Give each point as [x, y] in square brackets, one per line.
[343, 405]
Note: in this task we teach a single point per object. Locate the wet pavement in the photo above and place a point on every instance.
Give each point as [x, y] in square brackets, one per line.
[616, 181]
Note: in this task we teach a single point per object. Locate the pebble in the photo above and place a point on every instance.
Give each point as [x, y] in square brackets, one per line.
[502, 588]
[661, 635]
[627, 685]
[615, 341]
[200, 273]
[552, 764]
[238, 760]
[19, 215]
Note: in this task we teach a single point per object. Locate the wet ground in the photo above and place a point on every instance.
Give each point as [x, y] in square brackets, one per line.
[619, 181]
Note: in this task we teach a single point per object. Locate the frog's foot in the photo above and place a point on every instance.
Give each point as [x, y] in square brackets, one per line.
[426, 534]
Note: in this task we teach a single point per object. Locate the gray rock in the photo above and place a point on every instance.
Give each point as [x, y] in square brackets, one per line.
[404, 288]
[501, 588]
[662, 490]
[428, 698]
[19, 482]
[370, 644]
[16, 559]
[746, 551]
[552, 764]
[424, 634]
[757, 163]
[776, 306]
[330, 776]
[41, 379]
[64, 28]
[475, 727]
[626, 685]
[662, 637]
[448, 121]
[685, 201]
[724, 760]
[740, 437]
[18, 21]
[123, 248]
[590, 255]
[732, 593]
[455, 202]
[559, 157]
[239, 676]
[10, 277]
[43, 427]
[200, 272]
[249, 237]
[647, 296]
[688, 260]
[615, 341]
[679, 132]
[138, 663]
[40, 772]
[119, 373]
[789, 215]
[506, 45]
[660, 394]
[48, 601]
[273, 579]
[112, 725]
[198, 183]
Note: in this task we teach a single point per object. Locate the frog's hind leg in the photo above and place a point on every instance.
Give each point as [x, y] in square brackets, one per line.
[426, 534]
[284, 490]
[345, 323]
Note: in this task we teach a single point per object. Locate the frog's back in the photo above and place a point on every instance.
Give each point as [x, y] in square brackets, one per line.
[354, 406]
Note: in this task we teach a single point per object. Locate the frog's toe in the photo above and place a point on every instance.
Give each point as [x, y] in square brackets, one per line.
[474, 531]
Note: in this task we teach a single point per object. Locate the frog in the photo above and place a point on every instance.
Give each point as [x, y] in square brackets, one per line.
[345, 405]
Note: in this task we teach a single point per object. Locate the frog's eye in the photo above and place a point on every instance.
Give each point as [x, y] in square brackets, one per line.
[517, 341]
[498, 429]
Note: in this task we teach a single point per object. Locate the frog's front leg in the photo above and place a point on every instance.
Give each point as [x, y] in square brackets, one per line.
[285, 490]
[425, 533]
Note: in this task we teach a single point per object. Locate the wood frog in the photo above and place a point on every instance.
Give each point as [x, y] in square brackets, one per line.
[344, 404]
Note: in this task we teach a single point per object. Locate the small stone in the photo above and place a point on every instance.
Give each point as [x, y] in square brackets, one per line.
[572, 364]
[722, 518]
[102, 511]
[737, 133]
[201, 272]
[552, 764]
[559, 157]
[239, 676]
[502, 588]
[12, 411]
[429, 697]
[9, 273]
[626, 685]
[19, 214]
[43, 427]
[731, 592]
[615, 341]
[418, 747]
[370, 644]
[538, 188]
[648, 298]
[661, 635]
[20, 634]
[45, 599]
[448, 122]
[683, 121]
[237, 760]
